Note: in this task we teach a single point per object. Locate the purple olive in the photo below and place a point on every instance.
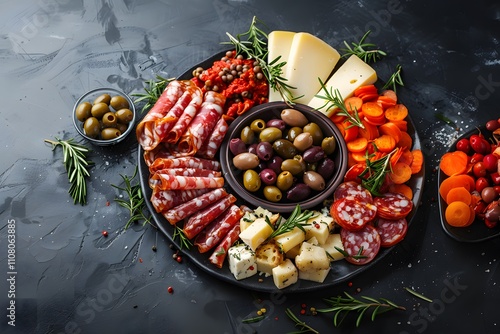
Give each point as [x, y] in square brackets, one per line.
[268, 176]
[326, 168]
[493, 214]
[237, 146]
[275, 164]
[313, 154]
[252, 148]
[276, 123]
[265, 150]
[298, 192]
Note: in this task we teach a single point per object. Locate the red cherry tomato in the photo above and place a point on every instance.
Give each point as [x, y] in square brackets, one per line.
[463, 145]
[497, 189]
[490, 162]
[479, 169]
[476, 157]
[489, 223]
[481, 183]
[479, 144]
[492, 125]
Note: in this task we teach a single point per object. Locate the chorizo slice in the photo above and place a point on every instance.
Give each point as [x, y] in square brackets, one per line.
[361, 246]
[185, 118]
[351, 214]
[163, 200]
[183, 162]
[354, 190]
[210, 147]
[393, 206]
[391, 231]
[164, 181]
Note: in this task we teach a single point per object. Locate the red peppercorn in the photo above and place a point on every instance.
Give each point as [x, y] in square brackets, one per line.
[303, 305]
[303, 311]
[349, 284]
[104, 233]
[178, 259]
[170, 289]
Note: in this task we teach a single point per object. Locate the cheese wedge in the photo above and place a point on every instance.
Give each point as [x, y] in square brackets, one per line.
[310, 58]
[279, 43]
[353, 74]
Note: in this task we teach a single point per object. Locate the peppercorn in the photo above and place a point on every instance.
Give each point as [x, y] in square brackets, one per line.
[105, 233]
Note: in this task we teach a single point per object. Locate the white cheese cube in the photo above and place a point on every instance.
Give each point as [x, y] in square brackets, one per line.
[278, 44]
[330, 246]
[256, 233]
[314, 275]
[242, 262]
[290, 239]
[285, 274]
[318, 227]
[311, 258]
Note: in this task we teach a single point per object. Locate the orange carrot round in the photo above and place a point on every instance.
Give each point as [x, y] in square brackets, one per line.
[462, 180]
[390, 94]
[396, 113]
[402, 189]
[459, 194]
[390, 129]
[457, 214]
[405, 140]
[353, 103]
[453, 163]
[401, 173]
[357, 145]
[417, 161]
[385, 143]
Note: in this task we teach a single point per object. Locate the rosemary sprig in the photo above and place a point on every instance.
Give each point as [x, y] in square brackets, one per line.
[333, 99]
[153, 91]
[358, 256]
[183, 240]
[419, 295]
[448, 121]
[296, 219]
[135, 203]
[253, 319]
[76, 164]
[303, 327]
[395, 79]
[342, 306]
[368, 52]
[372, 177]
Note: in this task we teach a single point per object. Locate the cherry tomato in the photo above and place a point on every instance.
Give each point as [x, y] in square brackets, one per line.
[489, 223]
[492, 125]
[479, 169]
[481, 183]
[476, 157]
[479, 144]
[497, 189]
[463, 145]
[490, 162]
[495, 178]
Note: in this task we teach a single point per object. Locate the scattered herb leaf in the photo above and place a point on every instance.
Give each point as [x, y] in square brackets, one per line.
[153, 91]
[303, 327]
[373, 176]
[183, 240]
[368, 52]
[395, 79]
[419, 295]
[296, 219]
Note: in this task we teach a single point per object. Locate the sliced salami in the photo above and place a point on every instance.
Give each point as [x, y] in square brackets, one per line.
[163, 200]
[217, 230]
[194, 205]
[220, 252]
[351, 214]
[158, 177]
[391, 231]
[212, 144]
[362, 246]
[183, 162]
[164, 181]
[160, 152]
[185, 118]
[197, 222]
[393, 206]
[352, 189]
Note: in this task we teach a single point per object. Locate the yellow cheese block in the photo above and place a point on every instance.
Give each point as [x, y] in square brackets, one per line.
[290, 239]
[256, 233]
[310, 58]
[279, 43]
[353, 74]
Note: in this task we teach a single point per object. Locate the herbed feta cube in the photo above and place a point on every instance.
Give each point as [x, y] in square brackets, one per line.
[242, 261]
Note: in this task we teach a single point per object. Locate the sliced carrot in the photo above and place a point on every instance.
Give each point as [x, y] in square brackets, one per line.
[364, 90]
[453, 163]
[462, 180]
[417, 162]
[386, 101]
[336, 118]
[390, 129]
[370, 131]
[459, 194]
[372, 110]
[390, 94]
[340, 126]
[457, 214]
[397, 112]
[350, 131]
[375, 121]
[402, 189]
[472, 216]
[396, 156]
[353, 172]
[402, 125]
[358, 156]
[353, 103]
[385, 143]
[401, 173]
[406, 157]
[357, 145]
[405, 140]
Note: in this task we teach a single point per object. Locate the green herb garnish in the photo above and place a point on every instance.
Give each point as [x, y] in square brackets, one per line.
[448, 121]
[303, 327]
[76, 164]
[153, 91]
[419, 295]
[373, 176]
[296, 219]
[253, 319]
[368, 52]
[183, 240]
[395, 79]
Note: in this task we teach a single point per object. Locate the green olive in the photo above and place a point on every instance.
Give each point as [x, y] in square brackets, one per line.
[293, 133]
[329, 144]
[284, 181]
[122, 127]
[247, 135]
[272, 193]
[99, 109]
[103, 98]
[315, 132]
[270, 134]
[293, 166]
[251, 180]
[258, 125]
[124, 116]
[301, 160]
[92, 127]
[119, 102]
[82, 111]
[284, 148]
[110, 133]
[109, 120]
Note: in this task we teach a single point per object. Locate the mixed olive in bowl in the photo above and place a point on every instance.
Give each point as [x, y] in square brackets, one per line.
[104, 116]
[277, 156]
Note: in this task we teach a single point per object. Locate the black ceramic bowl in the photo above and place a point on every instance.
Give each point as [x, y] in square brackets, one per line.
[234, 176]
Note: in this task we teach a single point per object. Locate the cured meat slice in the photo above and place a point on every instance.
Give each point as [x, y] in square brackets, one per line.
[352, 189]
[160, 152]
[165, 181]
[183, 162]
[393, 206]
[203, 123]
[212, 144]
[197, 222]
[157, 178]
[220, 252]
[163, 200]
[391, 231]
[190, 207]
[215, 232]
[362, 246]
[185, 118]
[351, 214]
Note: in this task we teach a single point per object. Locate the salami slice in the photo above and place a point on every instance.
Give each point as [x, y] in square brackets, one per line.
[185, 118]
[165, 181]
[391, 231]
[351, 214]
[362, 246]
[203, 123]
[163, 200]
[220, 252]
[197, 222]
[190, 207]
[393, 206]
[183, 162]
[352, 189]
[212, 144]
[156, 179]
[217, 230]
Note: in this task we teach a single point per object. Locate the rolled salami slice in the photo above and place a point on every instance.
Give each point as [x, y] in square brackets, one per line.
[164, 181]
[393, 206]
[220, 252]
[160, 152]
[185, 118]
[209, 237]
[194, 205]
[163, 200]
[156, 179]
[203, 123]
[212, 144]
[183, 162]
[362, 246]
[197, 222]
[391, 231]
[352, 189]
[351, 214]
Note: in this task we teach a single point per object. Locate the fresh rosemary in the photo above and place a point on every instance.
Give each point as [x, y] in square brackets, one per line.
[76, 163]
[373, 176]
[395, 79]
[303, 327]
[153, 91]
[358, 256]
[253, 319]
[419, 295]
[368, 52]
[342, 306]
[183, 240]
[296, 219]
[135, 203]
[333, 99]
